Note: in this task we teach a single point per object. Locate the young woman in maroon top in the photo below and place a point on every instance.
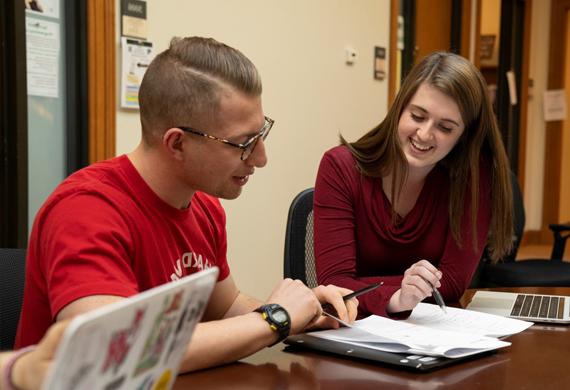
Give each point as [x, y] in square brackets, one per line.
[415, 200]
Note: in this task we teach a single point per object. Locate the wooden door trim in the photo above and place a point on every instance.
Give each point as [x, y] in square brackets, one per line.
[552, 168]
[101, 73]
[393, 61]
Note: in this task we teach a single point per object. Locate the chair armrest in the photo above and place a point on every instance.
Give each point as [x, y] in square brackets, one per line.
[559, 227]
[559, 239]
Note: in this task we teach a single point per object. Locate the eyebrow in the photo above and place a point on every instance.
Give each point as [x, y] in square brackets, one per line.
[426, 112]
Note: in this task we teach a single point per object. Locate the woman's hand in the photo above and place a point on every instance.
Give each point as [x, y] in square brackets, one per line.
[418, 283]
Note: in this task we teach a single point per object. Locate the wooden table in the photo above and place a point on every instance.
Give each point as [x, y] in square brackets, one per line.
[539, 358]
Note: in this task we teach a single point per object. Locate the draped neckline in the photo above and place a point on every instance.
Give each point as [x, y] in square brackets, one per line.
[378, 207]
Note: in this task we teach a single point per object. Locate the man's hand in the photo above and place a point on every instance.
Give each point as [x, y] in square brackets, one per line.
[417, 284]
[304, 304]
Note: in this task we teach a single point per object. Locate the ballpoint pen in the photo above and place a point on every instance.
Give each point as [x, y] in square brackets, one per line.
[439, 299]
[329, 309]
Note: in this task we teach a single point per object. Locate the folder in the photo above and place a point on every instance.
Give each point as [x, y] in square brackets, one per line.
[428, 332]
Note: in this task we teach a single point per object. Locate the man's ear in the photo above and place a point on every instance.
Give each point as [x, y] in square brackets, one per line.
[173, 141]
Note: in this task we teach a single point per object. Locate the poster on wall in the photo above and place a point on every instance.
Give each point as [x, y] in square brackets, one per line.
[42, 51]
[554, 105]
[45, 7]
[137, 55]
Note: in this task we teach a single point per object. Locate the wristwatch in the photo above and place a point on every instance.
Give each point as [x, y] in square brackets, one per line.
[277, 318]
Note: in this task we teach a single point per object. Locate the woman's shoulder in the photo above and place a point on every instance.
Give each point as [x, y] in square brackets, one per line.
[340, 154]
[339, 164]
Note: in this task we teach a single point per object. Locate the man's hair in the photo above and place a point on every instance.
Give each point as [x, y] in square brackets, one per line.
[184, 83]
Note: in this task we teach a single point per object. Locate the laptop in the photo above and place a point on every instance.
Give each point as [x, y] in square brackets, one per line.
[135, 343]
[406, 361]
[528, 307]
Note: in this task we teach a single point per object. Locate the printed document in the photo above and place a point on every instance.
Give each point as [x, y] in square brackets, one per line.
[430, 331]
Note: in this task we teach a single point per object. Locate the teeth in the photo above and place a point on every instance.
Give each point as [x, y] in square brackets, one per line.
[423, 149]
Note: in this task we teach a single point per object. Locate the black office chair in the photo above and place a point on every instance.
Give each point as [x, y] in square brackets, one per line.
[12, 275]
[299, 253]
[507, 272]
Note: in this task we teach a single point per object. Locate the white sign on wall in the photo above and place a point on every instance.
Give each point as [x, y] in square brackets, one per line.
[42, 51]
[137, 56]
[554, 105]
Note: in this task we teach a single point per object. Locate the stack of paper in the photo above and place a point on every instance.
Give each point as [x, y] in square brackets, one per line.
[430, 331]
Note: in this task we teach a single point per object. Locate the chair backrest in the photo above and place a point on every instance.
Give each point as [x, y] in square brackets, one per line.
[12, 275]
[299, 253]
[518, 231]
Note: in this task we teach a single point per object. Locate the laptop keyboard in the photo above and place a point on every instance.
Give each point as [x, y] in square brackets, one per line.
[538, 306]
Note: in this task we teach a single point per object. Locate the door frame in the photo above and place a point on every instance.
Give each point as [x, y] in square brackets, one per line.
[13, 126]
[101, 76]
[552, 164]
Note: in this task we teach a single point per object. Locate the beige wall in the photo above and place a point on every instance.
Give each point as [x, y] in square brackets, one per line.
[564, 214]
[538, 73]
[491, 25]
[298, 47]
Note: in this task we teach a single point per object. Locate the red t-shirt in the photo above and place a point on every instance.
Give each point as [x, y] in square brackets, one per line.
[105, 232]
[356, 243]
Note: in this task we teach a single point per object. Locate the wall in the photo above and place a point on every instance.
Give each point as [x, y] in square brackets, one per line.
[564, 214]
[491, 25]
[298, 47]
[535, 144]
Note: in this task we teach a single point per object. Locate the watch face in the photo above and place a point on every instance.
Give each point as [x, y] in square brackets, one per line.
[279, 316]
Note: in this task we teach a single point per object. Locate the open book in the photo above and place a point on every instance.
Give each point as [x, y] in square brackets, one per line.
[430, 331]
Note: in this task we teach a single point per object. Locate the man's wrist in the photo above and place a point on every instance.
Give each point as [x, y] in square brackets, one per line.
[278, 319]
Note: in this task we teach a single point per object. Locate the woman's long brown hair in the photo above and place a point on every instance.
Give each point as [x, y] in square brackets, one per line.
[379, 152]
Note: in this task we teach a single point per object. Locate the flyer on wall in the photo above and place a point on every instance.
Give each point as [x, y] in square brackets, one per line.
[137, 55]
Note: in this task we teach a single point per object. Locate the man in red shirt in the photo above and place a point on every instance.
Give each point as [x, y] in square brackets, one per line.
[139, 220]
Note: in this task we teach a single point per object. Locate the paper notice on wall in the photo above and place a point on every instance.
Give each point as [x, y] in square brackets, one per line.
[44, 7]
[554, 105]
[137, 56]
[42, 51]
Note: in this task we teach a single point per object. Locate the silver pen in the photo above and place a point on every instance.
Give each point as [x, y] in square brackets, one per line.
[439, 300]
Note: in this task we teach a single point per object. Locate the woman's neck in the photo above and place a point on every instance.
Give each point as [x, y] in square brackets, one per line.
[410, 191]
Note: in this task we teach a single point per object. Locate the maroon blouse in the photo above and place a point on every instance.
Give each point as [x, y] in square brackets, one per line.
[357, 244]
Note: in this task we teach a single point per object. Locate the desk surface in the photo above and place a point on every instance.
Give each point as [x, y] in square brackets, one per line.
[548, 366]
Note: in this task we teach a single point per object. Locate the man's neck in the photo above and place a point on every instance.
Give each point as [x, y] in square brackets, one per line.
[160, 176]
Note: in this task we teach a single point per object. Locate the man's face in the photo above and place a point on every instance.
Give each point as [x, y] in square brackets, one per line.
[214, 167]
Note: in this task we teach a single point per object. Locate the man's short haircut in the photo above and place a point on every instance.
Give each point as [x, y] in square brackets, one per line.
[184, 83]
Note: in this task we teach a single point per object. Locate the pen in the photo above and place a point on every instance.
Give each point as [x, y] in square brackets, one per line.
[328, 308]
[439, 300]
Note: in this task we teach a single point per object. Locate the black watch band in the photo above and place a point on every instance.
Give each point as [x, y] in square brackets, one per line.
[277, 318]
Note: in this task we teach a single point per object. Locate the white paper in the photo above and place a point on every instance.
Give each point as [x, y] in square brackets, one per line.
[42, 51]
[137, 56]
[461, 320]
[555, 105]
[430, 331]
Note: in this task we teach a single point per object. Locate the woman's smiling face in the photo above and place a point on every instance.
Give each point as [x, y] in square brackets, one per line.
[429, 127]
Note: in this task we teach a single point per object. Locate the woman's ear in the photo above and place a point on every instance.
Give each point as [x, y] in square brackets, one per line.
[173, 141]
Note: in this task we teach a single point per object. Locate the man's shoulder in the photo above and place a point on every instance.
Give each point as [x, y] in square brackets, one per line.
[101, 172]
[102, 180]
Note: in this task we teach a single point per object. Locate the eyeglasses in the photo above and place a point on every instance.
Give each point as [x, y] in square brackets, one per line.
[247, 147]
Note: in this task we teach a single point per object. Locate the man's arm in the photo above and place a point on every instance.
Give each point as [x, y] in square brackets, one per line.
[240, 332]
[233, 330]
[83, 305]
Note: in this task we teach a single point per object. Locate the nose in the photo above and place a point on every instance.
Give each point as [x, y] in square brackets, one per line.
[424, 130]
[258, 157]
